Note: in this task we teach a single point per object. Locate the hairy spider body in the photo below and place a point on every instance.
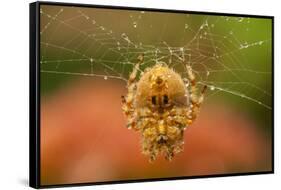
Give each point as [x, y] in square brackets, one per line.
[161, 106]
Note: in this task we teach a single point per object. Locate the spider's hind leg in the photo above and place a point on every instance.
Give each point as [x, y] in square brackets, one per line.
[169, 153]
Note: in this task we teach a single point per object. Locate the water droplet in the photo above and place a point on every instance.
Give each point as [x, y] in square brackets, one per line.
[260, 42]
[135, 24]
[142, 12]
[245, 45]
[186, 26]
[231, 32]
[94, 22]
[240, 19]
[102, 28]
[118, 45]
[208, 73]
[123, 35]
[105, 77]
[212, 88]
[91, 59]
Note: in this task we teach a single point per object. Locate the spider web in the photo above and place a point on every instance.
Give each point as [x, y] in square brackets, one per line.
[106, 43]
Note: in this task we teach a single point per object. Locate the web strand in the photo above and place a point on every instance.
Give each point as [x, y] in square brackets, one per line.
[80, 42]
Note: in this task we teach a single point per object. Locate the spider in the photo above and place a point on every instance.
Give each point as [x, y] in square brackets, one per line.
[161, 105]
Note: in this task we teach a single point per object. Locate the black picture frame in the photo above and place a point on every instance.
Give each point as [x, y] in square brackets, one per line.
[34, 93]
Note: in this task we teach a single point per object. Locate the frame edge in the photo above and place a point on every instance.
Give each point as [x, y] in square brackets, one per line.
[34, 151]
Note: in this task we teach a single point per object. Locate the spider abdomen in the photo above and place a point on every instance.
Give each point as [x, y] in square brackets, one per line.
[160, 105]
[162, 87]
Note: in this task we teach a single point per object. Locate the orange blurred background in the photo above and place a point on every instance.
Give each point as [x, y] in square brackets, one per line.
[84, 139]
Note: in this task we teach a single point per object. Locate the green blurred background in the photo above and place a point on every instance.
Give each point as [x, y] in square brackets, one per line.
[86, 57]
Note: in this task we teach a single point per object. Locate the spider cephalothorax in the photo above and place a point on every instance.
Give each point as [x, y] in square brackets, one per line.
[161, 105]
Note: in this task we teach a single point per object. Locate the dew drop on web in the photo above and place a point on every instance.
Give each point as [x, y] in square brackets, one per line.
[135, 24]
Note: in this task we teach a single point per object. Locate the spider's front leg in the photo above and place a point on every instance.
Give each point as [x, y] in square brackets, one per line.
[127, 102]
[194, 99]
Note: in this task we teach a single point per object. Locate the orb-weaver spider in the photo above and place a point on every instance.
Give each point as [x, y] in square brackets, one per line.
[161, 105]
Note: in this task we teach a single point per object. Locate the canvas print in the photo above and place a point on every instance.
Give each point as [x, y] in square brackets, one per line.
[135, 94]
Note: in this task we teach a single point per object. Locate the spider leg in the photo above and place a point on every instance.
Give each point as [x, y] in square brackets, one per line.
[169, 153]
[133, 75]
[127, 102]
[195, 100]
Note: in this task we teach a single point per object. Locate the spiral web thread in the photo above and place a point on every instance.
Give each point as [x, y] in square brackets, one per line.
[75, 42]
